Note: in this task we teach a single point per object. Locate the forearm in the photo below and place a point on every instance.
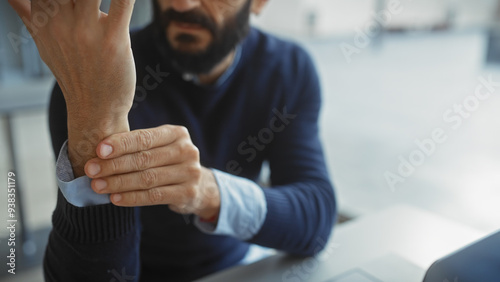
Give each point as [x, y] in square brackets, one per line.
[97, 243]
[300, 217]
[102, 240]
[242, 207]
[96, 72]
[297, 218]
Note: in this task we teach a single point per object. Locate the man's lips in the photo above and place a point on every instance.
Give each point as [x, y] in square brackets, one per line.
[187, 26]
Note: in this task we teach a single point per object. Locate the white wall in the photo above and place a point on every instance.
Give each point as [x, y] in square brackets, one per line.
[336, 17]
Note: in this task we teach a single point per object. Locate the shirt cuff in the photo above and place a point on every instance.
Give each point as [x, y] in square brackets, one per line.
[243, 208]
[77, 192]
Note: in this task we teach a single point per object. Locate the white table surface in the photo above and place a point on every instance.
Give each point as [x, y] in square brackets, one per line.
[401, 241]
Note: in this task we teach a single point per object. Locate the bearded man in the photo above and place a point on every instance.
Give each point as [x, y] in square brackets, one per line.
[161, 135]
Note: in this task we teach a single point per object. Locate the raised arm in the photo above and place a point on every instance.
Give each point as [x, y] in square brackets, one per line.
[89, 54]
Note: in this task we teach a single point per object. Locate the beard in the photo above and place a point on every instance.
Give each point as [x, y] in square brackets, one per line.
[224, 38]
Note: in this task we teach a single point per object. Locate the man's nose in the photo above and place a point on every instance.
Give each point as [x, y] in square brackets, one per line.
[185, 5]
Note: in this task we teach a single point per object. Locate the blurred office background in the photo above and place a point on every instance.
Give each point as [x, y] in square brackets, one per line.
[384, 87]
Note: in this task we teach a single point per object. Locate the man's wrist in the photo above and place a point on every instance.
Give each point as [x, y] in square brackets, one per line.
[211, 198]
[243, 208]
[84, 134]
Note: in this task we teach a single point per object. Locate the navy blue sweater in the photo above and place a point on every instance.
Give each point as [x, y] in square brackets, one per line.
[272, 95]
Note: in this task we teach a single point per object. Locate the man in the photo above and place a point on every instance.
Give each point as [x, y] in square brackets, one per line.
[214, 99]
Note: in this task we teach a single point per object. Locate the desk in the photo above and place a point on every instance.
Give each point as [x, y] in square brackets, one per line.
[396, 244]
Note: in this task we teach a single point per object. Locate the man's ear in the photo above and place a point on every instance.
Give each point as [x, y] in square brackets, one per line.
[258, 6]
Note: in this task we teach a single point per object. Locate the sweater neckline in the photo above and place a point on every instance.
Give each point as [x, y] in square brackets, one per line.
[223, 78]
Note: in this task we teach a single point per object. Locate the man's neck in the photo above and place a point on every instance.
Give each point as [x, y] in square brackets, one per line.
[218, 70]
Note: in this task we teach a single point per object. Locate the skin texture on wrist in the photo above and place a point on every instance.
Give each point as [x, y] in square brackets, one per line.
[210, 212]
[84, 134]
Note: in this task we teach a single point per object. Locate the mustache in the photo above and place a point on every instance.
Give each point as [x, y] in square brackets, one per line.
[191, 17]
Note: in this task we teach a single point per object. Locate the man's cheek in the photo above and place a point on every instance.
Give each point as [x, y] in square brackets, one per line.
[163, 4]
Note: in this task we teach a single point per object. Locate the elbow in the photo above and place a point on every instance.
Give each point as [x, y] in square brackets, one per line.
[320, 232]
[319, 244]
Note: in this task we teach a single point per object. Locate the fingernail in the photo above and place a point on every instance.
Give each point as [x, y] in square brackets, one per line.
[117, 198]
[93, 169]
[100, 185]
[106, 150]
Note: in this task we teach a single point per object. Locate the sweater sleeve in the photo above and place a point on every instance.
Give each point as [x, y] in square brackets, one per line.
[301, 205]
[97, 243]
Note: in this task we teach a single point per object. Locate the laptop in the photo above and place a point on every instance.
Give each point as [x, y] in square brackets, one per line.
[479, 261]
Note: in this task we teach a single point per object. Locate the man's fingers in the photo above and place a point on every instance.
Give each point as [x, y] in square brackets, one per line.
[140, 140]
[142, 180]
[120, 13]
[22, 8]
[155, 196]
[162, 156]
[88, 9]
[36, 14]
[49, 9]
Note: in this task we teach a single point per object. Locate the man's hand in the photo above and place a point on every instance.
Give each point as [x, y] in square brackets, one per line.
[159, 166]
[89, 53]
